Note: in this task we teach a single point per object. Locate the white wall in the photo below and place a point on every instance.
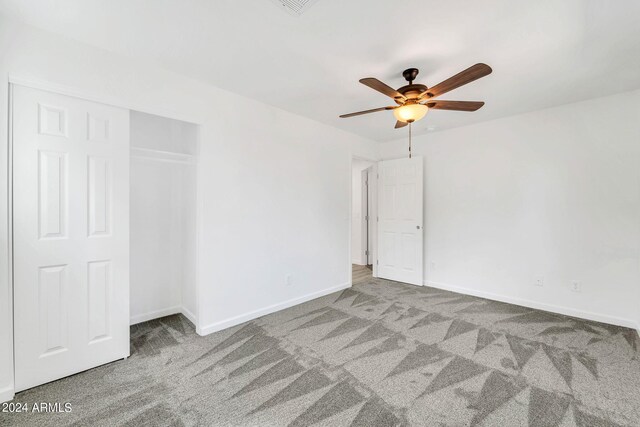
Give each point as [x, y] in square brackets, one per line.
[357, 215]
[553, 194]
[163, 220]
[274, 188]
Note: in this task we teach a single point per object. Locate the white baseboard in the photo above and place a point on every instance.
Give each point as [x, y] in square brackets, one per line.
[567, 311]
[233, 321]
[189, 315]
[7, 394]
[139, 318]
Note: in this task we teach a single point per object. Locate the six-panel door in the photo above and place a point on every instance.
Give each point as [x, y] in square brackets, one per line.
[400, 220]
[70, 233]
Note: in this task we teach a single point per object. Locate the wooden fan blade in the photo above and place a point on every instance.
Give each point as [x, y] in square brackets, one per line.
[454, 105]
[400, 124]
[383, 88]
[462, 78]
[344, 116]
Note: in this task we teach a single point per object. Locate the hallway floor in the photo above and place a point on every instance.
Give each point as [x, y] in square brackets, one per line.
[361, 273]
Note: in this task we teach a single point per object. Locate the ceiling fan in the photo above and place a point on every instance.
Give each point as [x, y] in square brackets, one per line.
[414, 100]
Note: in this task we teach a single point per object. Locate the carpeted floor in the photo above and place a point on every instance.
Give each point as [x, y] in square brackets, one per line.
[378, 354]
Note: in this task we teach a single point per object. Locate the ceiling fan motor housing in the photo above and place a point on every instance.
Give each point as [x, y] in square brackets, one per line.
[410, 91]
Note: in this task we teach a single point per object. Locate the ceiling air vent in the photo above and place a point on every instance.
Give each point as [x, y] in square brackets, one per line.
[295, 7]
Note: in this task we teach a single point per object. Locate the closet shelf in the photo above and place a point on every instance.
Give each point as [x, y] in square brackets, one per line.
[161, 156]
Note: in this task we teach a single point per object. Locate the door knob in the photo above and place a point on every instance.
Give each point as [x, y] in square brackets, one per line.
[418, 227]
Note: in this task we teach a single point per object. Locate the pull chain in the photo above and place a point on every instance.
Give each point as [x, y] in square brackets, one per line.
[409, 140]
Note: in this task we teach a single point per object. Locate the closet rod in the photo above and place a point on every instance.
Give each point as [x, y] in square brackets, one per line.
[155, 159]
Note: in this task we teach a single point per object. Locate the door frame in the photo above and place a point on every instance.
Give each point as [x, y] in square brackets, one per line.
[366, 215]
[9, 81]
[372, 204]
[372, 197]
[361, 193]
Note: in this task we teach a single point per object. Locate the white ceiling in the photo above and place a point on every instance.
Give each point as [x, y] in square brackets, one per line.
[543, 53]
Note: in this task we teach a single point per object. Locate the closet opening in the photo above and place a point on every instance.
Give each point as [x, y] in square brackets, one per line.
[162, 218]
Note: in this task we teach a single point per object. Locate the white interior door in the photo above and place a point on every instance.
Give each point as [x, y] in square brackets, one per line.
[400, 225]
[70, 233]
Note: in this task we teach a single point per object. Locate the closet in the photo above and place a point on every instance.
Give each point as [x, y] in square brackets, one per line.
[103, 212]
[162, 217]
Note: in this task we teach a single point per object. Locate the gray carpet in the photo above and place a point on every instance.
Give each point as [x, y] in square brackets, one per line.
[378, 354]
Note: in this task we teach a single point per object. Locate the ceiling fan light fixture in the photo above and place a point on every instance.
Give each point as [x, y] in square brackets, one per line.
[410, 113]
[415, 100]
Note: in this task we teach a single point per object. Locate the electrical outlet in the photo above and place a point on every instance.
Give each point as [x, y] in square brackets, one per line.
[433, 266]
[288, 280]
[539, 281]
[576, 286]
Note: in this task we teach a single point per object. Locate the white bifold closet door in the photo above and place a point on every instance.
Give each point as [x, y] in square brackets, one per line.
[70, 233]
